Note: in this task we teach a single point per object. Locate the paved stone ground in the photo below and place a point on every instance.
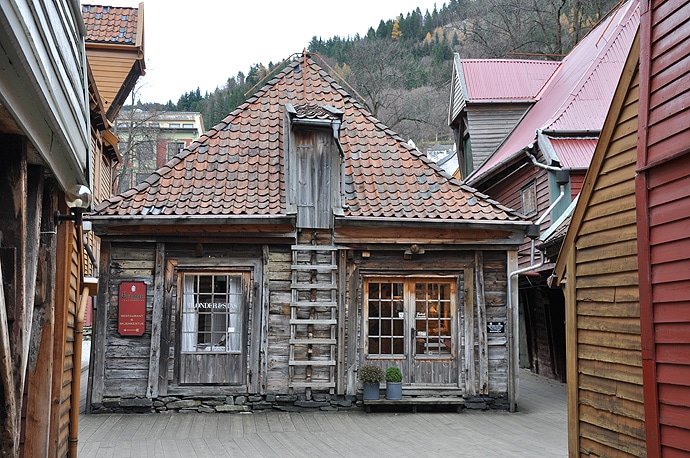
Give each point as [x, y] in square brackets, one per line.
[538, 429]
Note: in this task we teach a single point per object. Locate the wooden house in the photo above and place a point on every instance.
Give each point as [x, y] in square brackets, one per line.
[624, 263]
[115, 47]
[662, 202]
[54, 138]
[540, 166]
[294, 242]
[489, 97]
[44, 119]
[598, 268]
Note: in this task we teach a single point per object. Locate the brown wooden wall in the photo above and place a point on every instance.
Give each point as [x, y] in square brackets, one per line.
[67, 295]
[664, 239]
[111, 68]
[606, 411]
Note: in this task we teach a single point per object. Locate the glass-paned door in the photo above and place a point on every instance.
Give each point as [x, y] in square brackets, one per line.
[411, 323]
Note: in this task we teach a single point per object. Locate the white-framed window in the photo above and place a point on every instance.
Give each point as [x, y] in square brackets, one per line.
[529, 199]
[212, 312]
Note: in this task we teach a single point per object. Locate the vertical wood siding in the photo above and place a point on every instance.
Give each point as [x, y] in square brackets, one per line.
[489, 124]
[609, 365]
[664, 157]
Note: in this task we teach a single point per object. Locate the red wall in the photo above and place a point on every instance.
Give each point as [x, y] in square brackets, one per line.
[663, 202]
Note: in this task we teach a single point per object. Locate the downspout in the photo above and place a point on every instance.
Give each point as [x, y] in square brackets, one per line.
[532, 232]
[89, 286]
[76, 375]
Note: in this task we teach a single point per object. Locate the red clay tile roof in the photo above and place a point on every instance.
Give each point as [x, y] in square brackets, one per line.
[237, 167]
[110, 24]
[578, 95]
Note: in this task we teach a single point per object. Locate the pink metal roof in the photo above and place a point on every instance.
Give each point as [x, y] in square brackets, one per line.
[505, 79]
[574, 153]
[578, 95]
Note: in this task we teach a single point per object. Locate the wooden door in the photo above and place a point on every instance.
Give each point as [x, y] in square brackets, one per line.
[433, 355]
[411, 323]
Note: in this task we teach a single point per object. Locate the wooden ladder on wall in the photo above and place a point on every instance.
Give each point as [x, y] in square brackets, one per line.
[313, 317]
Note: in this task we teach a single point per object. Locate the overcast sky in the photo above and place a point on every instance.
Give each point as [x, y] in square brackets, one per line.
[200, 43]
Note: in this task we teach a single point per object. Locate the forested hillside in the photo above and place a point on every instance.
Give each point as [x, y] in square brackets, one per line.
[402, 68]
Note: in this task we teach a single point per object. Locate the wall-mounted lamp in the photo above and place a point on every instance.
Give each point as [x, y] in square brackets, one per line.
[78, 200]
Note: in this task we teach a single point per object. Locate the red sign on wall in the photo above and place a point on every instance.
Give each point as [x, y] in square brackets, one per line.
[131, 319]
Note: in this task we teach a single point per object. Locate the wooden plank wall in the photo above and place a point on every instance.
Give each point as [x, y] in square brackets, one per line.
[664, 242]
[110, 69]
[508, 193]
[608, 368]
[489, 124]
[280, 296]
[127, 358]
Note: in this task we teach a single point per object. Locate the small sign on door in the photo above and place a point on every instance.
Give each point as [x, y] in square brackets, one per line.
[131, 319]
[496, 327]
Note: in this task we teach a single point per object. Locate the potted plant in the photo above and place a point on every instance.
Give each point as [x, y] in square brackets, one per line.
[393, 383]
[371, 377]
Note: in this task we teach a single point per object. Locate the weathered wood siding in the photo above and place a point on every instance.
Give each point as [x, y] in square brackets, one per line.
[127, 357]
[457, 99]
[44, 83]
[664, 239]
[489, 124]
[606, 374]
[279, 280]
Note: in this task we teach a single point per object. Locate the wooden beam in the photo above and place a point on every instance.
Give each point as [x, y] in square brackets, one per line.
[342, 280]
[12, 221]
[40, 371]
[483, 347]
[63, 268]
[168, 311]
[470, 379]
[156, 321]
[100, 327]
[265, 306]
[571, 356]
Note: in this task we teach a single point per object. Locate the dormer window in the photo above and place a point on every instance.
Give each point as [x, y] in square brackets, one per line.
[314, 164]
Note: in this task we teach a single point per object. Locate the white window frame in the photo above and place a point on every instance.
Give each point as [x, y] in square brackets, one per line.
[217, 307]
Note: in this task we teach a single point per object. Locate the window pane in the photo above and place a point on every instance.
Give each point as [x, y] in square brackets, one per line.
[385, 318]
[212, 313]
[433, 319]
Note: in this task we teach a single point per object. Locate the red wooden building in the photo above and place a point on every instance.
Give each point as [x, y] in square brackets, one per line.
[661, 186]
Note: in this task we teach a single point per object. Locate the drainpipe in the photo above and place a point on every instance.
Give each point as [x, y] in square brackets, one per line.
[76, 375]
[532, 231]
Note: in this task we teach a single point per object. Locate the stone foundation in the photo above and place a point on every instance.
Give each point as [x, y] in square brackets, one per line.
[256, 403]
[487, 402]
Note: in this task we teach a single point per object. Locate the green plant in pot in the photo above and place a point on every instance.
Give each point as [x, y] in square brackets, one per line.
[393, 383]
[371, 376]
